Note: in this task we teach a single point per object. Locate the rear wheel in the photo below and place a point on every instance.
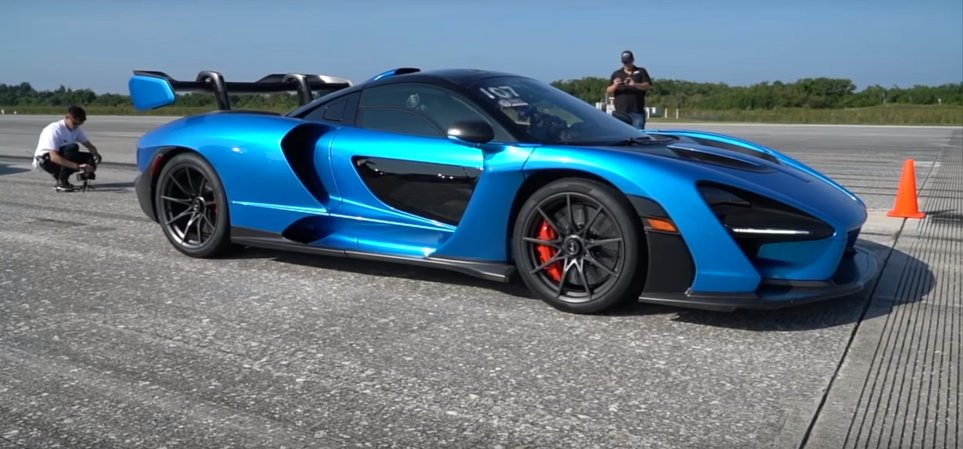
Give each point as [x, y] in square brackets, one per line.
[192, 207]
[577, 245]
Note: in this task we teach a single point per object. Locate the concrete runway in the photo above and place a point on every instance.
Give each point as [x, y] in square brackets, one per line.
[111, 338]
[867, 159]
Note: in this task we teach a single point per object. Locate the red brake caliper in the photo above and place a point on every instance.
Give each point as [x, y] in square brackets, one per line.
[545, 252]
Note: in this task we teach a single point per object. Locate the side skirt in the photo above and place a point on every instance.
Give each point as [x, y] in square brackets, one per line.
[491, 271]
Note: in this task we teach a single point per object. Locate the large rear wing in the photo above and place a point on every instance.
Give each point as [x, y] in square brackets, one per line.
[151, 90]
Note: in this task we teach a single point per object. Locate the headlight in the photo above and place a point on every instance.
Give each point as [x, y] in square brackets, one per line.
[754, 220]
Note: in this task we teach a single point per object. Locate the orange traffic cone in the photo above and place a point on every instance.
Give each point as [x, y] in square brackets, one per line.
[906, 205]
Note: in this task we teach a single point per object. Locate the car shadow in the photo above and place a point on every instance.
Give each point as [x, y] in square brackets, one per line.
[901, 279]
[885, 289]
[387, 269]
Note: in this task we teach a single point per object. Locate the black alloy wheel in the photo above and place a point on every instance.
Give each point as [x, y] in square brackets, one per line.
[192, 207]
[578, 246]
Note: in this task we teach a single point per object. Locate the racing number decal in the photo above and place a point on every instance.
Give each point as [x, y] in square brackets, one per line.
[506, 96]
[505, 92]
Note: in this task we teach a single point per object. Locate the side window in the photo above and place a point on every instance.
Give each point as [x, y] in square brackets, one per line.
[432, 105]
[398, 121]
[334, 111]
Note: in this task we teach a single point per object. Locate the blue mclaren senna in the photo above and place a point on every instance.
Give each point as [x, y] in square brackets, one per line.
[497, 175]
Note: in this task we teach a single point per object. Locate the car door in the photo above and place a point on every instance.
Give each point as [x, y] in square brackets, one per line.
[402, 181]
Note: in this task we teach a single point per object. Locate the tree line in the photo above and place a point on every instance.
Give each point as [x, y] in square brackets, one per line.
[24, 94]
[813, 93]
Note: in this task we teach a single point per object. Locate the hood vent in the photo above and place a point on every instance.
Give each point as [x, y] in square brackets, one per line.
[734, 147]
[716, 156]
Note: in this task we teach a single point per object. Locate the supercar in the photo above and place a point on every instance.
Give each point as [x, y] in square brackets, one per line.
[497, 175]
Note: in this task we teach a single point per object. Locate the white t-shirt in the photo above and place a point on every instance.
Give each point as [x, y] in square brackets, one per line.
[56, 135]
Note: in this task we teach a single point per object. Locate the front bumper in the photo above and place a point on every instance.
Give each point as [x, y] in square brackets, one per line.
[854, 273]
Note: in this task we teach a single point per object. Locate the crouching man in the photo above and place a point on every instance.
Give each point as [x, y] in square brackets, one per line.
[58, 153]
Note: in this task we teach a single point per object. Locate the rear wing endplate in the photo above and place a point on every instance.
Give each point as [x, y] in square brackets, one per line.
[151, 89]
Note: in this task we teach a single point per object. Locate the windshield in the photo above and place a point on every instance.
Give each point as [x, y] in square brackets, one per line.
[540, 113]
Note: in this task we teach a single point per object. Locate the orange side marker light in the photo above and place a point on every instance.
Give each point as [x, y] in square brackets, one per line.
[662, 224]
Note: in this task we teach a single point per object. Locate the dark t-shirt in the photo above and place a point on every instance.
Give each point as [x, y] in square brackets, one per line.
[630, 99]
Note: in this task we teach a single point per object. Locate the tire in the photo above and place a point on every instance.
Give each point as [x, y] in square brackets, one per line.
[191, 207]
[578, 246]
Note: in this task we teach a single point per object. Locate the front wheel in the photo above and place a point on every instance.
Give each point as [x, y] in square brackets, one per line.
[578, 246]
[192, 207]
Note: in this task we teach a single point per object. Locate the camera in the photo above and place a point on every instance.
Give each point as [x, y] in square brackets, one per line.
[86, 173]
[84, 177]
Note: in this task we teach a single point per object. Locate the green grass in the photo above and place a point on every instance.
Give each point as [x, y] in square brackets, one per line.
[876, 115]
[119, 110]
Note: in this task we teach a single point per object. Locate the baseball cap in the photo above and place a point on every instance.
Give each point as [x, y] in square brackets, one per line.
[627, 56]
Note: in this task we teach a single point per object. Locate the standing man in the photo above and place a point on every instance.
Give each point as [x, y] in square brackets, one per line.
[58, 153]
[629, 84]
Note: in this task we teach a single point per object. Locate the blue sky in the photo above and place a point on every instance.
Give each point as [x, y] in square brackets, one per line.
[97, 43]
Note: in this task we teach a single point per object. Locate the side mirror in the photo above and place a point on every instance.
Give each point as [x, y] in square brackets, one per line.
[623, 117]
[471, 131]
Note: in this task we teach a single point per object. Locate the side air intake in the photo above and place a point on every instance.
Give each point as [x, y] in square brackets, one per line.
[299, 147]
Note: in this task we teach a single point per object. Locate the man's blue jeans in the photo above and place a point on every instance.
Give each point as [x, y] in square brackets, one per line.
[638, 119]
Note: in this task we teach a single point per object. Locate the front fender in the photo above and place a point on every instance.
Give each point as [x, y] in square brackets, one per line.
[720, 264]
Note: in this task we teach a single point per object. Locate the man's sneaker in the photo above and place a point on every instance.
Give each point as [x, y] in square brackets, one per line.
[64, 187]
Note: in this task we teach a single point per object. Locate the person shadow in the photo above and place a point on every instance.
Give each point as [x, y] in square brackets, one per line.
[122, 187]
[6, 169]
[881, 293]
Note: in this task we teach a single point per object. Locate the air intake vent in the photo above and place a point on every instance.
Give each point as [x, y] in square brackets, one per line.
[713, 156]
[298, 147]
[734, 147]
[754, 220]
[395, 72]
